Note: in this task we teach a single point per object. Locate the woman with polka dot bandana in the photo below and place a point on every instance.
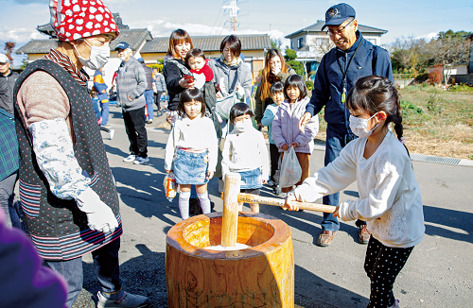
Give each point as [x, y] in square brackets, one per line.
[67, 189]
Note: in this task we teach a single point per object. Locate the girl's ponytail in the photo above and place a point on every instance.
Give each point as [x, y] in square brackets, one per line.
[397, 120]
[398, 128]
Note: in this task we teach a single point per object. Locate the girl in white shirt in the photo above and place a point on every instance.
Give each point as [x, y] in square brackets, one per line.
[390, 200]
[191, 150]
[245, 152]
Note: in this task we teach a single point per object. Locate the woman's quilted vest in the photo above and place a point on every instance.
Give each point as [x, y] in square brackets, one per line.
[57, 228]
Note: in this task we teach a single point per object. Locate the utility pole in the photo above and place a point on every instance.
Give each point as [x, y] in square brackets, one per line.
[231, 9]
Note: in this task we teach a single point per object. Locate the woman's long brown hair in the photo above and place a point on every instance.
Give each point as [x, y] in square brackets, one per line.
[267, 78]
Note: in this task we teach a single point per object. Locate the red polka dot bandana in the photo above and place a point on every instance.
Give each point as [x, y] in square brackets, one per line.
[76, 19]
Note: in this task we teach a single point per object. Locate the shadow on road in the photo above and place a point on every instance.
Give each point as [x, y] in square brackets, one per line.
[323, 293]
[142, 191]
[143, 275]
[448, 223]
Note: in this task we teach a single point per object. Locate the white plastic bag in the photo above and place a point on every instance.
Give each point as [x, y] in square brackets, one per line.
[291, 171]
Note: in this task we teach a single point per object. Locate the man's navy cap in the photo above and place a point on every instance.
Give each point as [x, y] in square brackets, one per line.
[141, 60]
[337, 14]
[122, 45]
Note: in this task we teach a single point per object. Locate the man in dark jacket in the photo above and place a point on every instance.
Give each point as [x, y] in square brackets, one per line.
[351, 58]
[7, 81]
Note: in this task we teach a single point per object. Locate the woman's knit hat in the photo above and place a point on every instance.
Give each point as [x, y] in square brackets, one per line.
[76, 19]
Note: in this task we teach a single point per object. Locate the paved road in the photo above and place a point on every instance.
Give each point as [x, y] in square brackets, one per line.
[438, 274]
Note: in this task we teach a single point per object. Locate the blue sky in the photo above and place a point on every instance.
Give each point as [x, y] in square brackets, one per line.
[402, 18]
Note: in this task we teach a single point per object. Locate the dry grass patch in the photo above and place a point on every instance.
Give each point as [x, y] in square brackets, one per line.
[436, 122]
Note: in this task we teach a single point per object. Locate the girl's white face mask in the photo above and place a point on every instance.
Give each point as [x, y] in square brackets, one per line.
[359, 126]
[242, 126]
[99, 56]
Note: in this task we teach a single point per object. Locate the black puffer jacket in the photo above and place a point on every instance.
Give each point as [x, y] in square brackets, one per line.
[172, 74]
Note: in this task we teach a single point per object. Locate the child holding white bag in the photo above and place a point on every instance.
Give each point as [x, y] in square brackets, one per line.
[285, 130]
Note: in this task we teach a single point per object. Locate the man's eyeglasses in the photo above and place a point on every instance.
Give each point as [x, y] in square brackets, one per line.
[338, 31]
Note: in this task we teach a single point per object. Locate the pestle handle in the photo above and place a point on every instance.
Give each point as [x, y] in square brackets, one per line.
[230, 209]
[249, 198]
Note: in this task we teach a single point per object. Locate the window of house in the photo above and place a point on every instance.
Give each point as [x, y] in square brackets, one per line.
[300, 43]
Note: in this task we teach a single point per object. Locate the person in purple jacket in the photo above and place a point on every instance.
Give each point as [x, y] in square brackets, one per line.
[26, 283]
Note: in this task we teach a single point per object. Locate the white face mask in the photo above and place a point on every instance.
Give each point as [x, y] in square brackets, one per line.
[99, 56]
[359, 126]
[242, 126]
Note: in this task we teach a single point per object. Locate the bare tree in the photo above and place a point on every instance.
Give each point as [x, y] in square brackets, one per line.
[408, 53]
[9, 48]
[326, 46]
[447, 51]
[321, 46]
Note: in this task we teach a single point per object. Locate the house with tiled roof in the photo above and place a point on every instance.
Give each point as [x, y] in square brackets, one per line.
[152, 49]
[36, 49]
[311, 43]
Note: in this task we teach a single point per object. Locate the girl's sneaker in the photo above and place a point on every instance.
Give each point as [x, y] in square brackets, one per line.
[130, 158]
[141, 160]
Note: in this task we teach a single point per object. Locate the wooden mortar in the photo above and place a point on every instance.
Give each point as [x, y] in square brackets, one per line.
[260, 276]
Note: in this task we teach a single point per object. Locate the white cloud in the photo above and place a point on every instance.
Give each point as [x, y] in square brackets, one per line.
[19, 35]
[428, 37]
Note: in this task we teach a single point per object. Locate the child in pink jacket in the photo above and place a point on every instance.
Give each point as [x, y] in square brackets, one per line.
[285, 130]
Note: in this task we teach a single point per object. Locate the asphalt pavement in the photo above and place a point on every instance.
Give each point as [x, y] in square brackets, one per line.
[438, 273]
